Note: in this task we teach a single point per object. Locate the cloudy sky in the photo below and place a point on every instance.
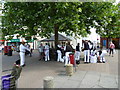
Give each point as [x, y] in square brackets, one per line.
[117, 1]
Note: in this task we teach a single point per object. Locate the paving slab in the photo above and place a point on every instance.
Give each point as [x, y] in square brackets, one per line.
[61, 78]
[78, 76]
[67, 81]
[90, 79]
[117, 79]
[97, 86]
[97, 75]
[70, 84]
[108, 81]
[85, 86]
[59, 83]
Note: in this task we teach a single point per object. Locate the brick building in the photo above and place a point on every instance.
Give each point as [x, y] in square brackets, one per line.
[106, 41]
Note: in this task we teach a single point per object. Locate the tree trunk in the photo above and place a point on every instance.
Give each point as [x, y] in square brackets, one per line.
[56, 35]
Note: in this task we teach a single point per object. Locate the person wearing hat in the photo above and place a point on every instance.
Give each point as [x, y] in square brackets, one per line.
[16, 71]
[22, 53]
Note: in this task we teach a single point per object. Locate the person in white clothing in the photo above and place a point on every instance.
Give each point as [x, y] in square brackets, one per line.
[93, 57]
[101, 53]
[59, 58]
[46, 50]
[90, 47]
[68, 50]
[22, 54]
[77, 52]
[86, 52]
[102, 59]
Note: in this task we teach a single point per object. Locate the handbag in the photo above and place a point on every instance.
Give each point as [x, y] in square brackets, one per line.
[77, 61]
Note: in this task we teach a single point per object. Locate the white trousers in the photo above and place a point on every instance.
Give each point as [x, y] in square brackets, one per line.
[86, 55]
[102, 59]
[22, 58]
[67, 59]
[59, 58]
[93, 59]
[47, 58]
[77, 55]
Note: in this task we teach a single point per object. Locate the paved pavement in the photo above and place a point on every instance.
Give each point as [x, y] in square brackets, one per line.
[98, 75]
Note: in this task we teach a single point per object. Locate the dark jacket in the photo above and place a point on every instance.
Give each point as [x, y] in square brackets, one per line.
[69, 48]
[58, 48]
[86, 46]
[100, 52]
[77, 48]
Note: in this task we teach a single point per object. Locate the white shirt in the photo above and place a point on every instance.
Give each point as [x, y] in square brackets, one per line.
[27, 46]
[90, 46]
[2, 46]
[46, 47]
[23, 48]
[59, 46]
[64, 48]
[41, 48]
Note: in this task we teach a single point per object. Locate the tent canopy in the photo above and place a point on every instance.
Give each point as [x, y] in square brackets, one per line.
[60, 38]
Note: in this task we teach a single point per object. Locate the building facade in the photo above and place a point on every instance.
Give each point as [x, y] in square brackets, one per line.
[106, 41]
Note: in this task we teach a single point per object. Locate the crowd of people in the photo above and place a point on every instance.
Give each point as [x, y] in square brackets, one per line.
[91, 53]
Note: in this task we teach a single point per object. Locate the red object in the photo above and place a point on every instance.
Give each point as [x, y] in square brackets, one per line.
[72, 59]
[5, 50]
[2, 40]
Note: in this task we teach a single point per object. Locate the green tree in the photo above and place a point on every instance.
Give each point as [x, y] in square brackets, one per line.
[47, 18]
[109, 24]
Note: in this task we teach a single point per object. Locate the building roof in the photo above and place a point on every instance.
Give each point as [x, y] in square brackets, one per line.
[60, 38]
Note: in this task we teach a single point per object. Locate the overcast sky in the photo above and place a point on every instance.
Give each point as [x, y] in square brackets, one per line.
[117, 1]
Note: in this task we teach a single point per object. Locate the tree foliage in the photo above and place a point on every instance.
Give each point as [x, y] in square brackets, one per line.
[69, 17]
[109, 23]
